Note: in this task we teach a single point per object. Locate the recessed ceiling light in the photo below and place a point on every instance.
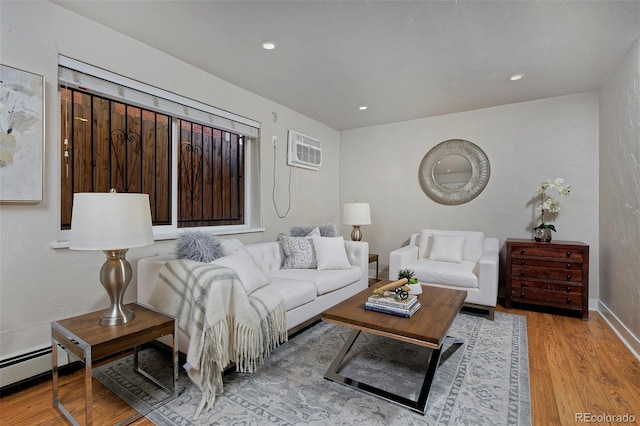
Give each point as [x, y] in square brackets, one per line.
[516, 77]
[269, 45]
[362, 108]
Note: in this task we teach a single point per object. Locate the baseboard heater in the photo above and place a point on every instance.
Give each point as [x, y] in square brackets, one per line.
[33, 374]
[24, 357]
[40, 371]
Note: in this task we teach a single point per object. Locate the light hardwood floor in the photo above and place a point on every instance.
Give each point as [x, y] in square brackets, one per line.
[575, 367]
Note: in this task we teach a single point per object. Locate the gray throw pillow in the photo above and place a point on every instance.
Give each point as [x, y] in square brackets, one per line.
[300, 253]
[198, 246]
[326, 230]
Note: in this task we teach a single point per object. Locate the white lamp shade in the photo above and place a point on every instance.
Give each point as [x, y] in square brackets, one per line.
[110, 221]
[356, 214]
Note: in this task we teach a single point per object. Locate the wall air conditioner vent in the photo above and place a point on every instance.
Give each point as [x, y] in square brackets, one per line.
[304, 151]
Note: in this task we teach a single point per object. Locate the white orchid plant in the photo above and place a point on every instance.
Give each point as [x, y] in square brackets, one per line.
[549, 204]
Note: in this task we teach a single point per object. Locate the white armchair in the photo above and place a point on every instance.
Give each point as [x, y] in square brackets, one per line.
[461, 260]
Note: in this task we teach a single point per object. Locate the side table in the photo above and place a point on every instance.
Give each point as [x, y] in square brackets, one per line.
[86, 340]
[374, 258]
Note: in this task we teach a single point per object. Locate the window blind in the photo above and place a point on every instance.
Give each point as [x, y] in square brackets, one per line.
[79, 75]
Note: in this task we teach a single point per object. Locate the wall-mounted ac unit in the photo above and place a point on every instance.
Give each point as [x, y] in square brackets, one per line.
[304, 151]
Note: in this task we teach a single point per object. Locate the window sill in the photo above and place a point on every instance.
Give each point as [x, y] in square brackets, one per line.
[168, 235]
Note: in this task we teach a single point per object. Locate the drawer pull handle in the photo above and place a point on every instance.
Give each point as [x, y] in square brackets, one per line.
[568, 266]
[522, 251]
[568, 277]
[568, 253]
[522, 284]
[568, 300]
[522, 262]
[522, 273]
[568, 289]
[522, 294]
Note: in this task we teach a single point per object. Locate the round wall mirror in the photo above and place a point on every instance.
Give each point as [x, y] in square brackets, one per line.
[454, 172]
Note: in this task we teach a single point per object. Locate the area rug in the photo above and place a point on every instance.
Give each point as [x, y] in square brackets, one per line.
[483, 381]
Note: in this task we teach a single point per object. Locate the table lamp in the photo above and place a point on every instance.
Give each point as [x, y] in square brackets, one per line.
[112, 222]
[356, 214]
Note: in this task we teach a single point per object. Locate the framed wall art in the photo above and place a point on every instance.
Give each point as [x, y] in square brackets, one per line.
[21, 135]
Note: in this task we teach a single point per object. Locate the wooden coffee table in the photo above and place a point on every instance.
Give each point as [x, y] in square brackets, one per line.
[428, 327]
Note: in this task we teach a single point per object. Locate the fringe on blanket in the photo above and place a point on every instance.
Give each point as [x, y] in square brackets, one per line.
[213, 361]
[224, 323]
[217, 355]
[273, 333]
[248, 352]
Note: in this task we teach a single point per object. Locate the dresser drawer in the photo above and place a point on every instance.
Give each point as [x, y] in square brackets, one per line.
[546, 252]
[566, 264]
[569, 288]
[546, 297]
[546, 273]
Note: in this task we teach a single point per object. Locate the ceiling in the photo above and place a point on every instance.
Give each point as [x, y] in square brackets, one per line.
[402, 59]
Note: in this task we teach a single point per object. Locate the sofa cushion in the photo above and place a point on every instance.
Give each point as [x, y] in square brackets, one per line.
[461, 274]
[249, 273]
[331, 253]
[473, 246]
[447, 248]
[325, 281]
[269, 255]
[294, 292]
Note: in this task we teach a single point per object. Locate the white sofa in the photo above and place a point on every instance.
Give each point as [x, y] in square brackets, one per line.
[461, 260]
[306, 292]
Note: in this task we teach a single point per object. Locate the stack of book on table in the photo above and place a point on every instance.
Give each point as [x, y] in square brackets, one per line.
[388, 304]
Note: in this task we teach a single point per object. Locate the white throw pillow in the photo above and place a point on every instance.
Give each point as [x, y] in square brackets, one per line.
[331, 253]
[473, 245]
[249, 273]
[447, 248]
[230, 245]
[315, 232]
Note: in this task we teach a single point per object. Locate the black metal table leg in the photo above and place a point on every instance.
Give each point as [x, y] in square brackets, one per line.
[419, 405]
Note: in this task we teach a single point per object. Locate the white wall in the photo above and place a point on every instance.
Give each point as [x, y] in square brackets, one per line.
[526, 143]
[620, 197]
[39, 284]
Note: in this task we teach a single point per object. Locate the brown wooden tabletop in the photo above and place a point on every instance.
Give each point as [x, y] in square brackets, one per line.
[427, 327]
[107, 340]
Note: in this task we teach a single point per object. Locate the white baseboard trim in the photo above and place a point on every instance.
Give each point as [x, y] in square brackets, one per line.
[625, 335]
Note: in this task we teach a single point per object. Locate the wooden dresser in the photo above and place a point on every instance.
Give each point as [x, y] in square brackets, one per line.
[554, 274]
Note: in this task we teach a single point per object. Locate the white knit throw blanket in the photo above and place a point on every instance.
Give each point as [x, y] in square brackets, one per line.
[223, 323]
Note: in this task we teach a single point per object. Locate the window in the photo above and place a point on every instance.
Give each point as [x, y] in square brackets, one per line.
[109, 144]
[210, 181]
[194, 164]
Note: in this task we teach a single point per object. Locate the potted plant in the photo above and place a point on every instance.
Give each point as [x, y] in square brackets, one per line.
[414, 286]
[542, 232]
